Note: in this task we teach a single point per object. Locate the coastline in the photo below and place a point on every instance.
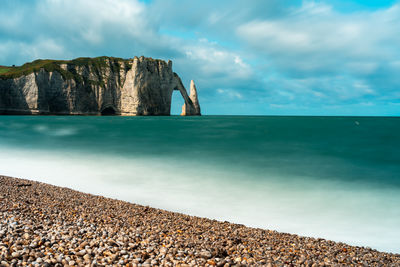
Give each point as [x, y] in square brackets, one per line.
[50, 225]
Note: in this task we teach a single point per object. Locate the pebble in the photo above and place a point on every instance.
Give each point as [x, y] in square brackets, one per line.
[205, 254]
[15, 255]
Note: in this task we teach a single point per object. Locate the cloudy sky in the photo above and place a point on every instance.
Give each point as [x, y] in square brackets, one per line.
[262, 57]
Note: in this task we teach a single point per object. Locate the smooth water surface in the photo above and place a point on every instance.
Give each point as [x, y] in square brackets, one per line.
[331, 177]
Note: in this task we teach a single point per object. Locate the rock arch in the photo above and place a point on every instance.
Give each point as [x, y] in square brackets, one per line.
[191, 106]
[147, 89]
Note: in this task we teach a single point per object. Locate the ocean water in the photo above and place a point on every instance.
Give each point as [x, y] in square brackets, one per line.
[330, 177]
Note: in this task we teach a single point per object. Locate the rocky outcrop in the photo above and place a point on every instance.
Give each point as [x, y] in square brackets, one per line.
[94, 86]
[194, 108]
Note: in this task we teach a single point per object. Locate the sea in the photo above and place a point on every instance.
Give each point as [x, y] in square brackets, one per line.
[336, 178]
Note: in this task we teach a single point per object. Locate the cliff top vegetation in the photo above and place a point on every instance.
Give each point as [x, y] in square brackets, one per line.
[9, 72]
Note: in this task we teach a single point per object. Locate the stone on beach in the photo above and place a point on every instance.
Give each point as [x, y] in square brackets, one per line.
[45, 225]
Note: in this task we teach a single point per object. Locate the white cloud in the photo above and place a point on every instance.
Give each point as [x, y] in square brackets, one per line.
[230, 93]
[93, 19]
[319, 33]
[216, 61]
[318, 52]
[40, 48]
[77, 28]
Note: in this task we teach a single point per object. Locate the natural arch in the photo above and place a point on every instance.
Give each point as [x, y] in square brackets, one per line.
[108, 111]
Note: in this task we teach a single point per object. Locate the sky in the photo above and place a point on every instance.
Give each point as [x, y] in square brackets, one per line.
[254, 57]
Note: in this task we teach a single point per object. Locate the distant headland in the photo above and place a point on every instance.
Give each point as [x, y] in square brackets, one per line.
[94, 86]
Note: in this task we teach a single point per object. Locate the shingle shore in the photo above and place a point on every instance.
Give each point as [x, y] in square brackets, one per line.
[45, 225]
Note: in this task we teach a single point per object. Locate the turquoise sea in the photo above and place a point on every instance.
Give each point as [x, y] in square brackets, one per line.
[330, 177]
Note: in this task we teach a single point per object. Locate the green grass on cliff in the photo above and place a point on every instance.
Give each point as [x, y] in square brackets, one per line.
[49, 65]
[4, 69]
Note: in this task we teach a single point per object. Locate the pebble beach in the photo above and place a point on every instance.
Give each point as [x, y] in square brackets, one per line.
[45, 225]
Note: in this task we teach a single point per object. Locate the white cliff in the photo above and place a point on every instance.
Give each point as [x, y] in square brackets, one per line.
[85, 86]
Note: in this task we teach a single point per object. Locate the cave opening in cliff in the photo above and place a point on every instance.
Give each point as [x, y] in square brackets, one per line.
[110, 111]
[176, 103]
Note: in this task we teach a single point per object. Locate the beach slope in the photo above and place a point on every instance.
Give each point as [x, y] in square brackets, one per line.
[54, 226]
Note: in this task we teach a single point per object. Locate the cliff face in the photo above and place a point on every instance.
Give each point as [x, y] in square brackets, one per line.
[138, 86]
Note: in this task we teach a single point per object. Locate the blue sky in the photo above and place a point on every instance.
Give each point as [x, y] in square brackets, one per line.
[257, 57]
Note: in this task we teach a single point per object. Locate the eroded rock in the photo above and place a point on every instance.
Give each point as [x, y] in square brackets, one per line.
[97, 86]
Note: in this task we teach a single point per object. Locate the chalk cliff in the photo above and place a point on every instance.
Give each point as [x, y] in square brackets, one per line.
[94, 86]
